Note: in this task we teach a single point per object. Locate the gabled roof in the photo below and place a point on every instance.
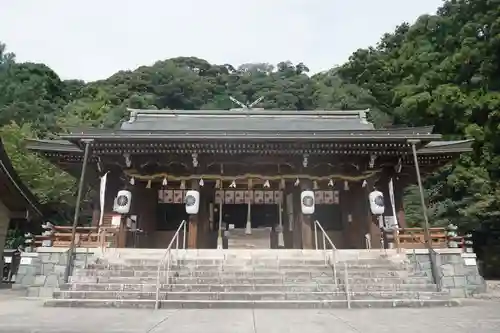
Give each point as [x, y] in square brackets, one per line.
[244, 124]
[246, 120]
[13, 193]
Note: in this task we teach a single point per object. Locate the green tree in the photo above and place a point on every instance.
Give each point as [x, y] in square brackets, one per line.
[48, 183]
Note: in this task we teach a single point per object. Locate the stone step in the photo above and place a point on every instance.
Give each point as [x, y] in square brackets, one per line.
[202, 280]
[275, 266]
[242, 262]
[255, 267]
[201, 287]
[246, 287]
[248, 273]
[262, 304]
[253, 295]
[386, 280]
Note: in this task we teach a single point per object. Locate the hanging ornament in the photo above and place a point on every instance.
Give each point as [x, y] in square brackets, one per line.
[346, 185]
[148, 184]
[183, 185]
[399, 166]
[201, 182]
[364, 183]
[371, 164]
[164, 182]
[132, 181]
[297, 182]
[233, 184]
[331, 183]
[266, 184]
[315, 185]
[217, 183]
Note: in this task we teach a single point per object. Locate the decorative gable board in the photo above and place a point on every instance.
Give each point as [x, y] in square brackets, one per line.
[219, 195]
[319, 197]
[269, 197]
[229, 197]
[258, 197]
[249, 196]
[178, 196]
[278, 197]
[239, 197]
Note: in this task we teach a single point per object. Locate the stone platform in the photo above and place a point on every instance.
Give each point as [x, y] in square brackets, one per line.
[251, 279]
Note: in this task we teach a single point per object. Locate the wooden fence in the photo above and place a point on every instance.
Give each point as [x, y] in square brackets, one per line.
[85, 237]
[414, 238]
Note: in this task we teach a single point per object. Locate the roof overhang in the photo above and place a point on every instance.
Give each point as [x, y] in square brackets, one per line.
[423, 134]
[447, 147]
[13, 193]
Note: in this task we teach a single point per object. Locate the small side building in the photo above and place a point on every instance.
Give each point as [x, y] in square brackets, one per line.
[17, 202]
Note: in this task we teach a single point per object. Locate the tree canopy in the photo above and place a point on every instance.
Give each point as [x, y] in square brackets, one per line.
[442, 70]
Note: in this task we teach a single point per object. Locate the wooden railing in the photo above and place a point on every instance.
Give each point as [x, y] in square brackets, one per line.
[85, 237]
[414, 238]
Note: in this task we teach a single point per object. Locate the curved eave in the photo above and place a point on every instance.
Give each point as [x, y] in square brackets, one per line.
[62, 146]
[20, 198]
[447, 147]
[62, 153]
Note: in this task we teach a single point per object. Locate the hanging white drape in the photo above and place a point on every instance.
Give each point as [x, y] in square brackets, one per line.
[102, 196]
[393, 204]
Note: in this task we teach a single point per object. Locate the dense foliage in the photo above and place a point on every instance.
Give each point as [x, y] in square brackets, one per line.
[442, 70]
[445, 70]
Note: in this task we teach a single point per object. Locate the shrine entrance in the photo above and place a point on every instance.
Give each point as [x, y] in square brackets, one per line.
[249, 217]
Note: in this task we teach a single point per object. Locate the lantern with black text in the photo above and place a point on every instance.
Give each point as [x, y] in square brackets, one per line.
[307, 202]
[122, 202]
[377, 205]
[192, 201]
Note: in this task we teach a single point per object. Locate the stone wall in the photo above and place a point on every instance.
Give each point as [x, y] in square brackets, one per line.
[42, 272]
[458, 271]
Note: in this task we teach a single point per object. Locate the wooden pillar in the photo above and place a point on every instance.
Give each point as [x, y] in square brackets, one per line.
[306, 220]
[288, 215]
[193, 221]
[347, 200]
[297, 218]
[204, 217]
[398, 201]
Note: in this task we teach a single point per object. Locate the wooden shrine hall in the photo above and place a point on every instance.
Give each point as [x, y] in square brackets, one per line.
[250, 166]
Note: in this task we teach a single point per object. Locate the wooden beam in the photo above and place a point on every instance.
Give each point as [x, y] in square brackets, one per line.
[193, 222]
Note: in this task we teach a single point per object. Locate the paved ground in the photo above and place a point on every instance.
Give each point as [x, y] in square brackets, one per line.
[17, 315]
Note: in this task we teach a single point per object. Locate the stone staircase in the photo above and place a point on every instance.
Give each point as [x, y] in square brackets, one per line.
[250, 279]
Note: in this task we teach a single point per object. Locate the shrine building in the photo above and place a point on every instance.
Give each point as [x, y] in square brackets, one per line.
[250, 166]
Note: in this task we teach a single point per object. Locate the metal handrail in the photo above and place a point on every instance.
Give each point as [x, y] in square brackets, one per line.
[165, 261]
[346, 286]
[334, 249]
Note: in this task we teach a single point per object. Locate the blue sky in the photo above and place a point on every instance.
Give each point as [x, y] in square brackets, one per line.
[93, 39]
